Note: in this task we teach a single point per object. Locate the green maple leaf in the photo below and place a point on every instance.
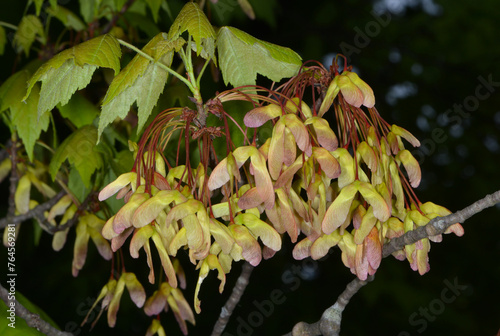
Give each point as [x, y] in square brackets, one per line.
[13, 89]
[39, 3]
[79, 110]
[80, 150]
[142, 80]
[154, 5]
[88, 9]
[192, 19]
[29, 28]
[23, 114]
[242, 56]
[38, 6]
[72, 69]
[53, 3]
[67, 17]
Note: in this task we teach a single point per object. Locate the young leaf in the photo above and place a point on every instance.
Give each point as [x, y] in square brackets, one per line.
[78, 148]
[29, 27]
[242, 56]
[72, 70]
[192, 19]
[140, 80]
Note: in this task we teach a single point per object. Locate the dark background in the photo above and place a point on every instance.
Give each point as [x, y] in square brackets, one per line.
[422, 58]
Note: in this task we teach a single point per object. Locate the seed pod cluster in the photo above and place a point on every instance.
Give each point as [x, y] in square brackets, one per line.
[351, 188]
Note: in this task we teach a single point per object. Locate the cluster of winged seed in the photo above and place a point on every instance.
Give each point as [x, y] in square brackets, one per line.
[353, 189]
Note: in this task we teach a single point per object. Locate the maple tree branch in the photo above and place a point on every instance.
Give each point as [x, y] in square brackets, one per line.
[233, 300]
[81, 208]
[36, 212]
[332, 317]
[329, 324]
[33, 320]
[439, 225]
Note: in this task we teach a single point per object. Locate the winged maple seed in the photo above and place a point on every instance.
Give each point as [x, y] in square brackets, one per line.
[351, 188]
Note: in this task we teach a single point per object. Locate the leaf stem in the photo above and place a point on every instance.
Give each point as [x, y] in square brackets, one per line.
[201, 73]
[188, 63]
[161, 65]
[8, 25]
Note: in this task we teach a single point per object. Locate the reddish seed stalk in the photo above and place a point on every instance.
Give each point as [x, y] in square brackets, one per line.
[228, 138]
[237, 125]
[179, 147]
[188, 163]
[409, 190]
